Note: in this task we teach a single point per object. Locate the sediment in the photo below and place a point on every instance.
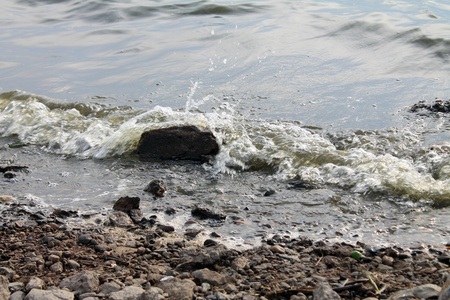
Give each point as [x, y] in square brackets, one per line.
[54, 256]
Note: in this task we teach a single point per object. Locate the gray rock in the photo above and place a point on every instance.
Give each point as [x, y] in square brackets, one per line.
[57, 267]
[120, 219]
[128, 293]
[80, 283]
[178, 142]
[34, 283]
[153, 293]
[4, 292]
[325, 292]
[73, 264]
[7, 272]
[424, 291]
[110, 287]
[445, 292]
[181, 289]
[211, 277]
[18, 295]
[54, 294]
[16, 286]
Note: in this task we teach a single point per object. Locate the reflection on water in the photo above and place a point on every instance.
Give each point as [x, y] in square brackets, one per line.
[317, 89]
[297, 58]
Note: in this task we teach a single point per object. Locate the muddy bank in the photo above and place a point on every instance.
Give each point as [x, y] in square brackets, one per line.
[43, 255]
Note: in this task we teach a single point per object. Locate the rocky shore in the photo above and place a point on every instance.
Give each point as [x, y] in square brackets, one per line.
[54, 257]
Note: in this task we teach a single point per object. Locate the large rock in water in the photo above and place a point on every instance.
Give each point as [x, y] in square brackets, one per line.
[179, 142]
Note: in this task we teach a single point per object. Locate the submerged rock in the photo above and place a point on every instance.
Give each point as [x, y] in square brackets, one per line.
[156, 187]
[205, 213]
[178, 142]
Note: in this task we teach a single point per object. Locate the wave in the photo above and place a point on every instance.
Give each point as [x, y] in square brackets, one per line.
[390, 162]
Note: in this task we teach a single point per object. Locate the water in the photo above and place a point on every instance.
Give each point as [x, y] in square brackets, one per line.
[314, 89]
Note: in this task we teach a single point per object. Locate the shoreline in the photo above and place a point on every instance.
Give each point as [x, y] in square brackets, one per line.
[154, 262]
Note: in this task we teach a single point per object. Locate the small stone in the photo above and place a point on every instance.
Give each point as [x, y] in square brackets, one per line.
[209, 243]
[37, 294]
[388, 260]
[426, 291]
[80, 283]
[7, 272]
[6, 198]
[128, 293]
[211, 277]
[57, 267]
[166, 228]
[53, 258]
[205, 213]
[18, 295]
[4, 283]
[120, 219]
[34, 283]
[156, 187]
[180, 289]
[325, 292]
[110, 287]
[73, 264]
[277, 249]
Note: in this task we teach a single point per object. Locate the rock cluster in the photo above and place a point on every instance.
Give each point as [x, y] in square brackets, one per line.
[438, 106]
[51, 258]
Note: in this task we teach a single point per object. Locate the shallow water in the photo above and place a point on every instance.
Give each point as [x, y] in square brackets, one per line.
[316, 89]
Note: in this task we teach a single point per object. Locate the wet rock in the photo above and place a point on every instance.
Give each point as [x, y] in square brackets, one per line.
[34, 283]
[192, 232]
[166, 228]
[156, 187]
[205, 213]
[126, 204]
[182, 289]
[439, 106]
[128, 293]
[54, 294]
[6, 198]
[64, 213]
[179, 142]
[325, 292]
[209, 243]
[80, 283]
[120, 219]
[211, 277]
[4, 292]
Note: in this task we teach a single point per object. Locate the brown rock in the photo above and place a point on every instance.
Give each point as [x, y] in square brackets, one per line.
[126, 204]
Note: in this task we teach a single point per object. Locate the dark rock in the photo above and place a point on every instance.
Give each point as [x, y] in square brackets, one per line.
[205, 213]
[166, 228]
[297, 182]
[209, 243]
[438, 106]
[156, 187]
[63, 213]
[126, 204]
[178, 142]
